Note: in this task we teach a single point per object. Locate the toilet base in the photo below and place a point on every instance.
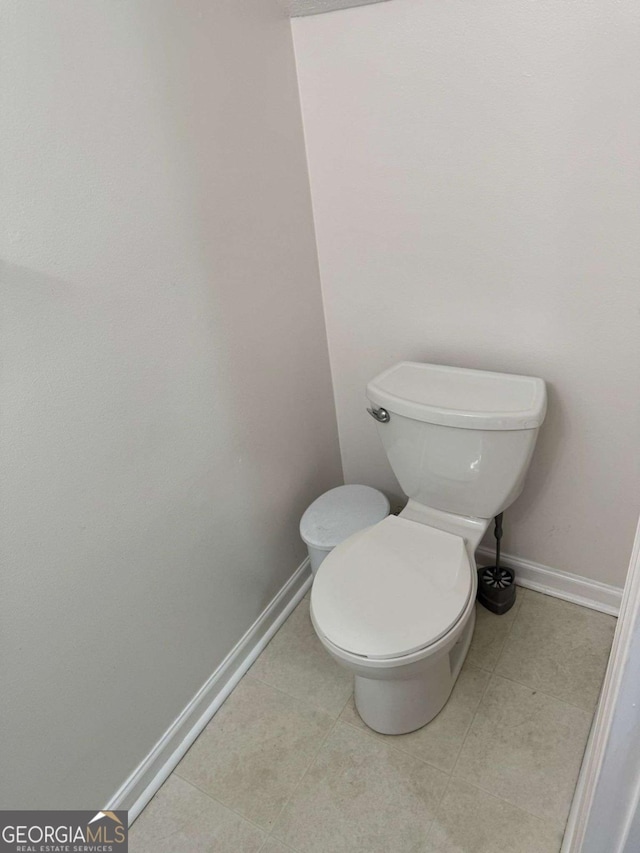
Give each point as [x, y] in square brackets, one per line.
[403, 705]
[408, 701]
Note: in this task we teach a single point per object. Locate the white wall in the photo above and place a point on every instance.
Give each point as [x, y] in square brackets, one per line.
[474, 175]
[166, 411]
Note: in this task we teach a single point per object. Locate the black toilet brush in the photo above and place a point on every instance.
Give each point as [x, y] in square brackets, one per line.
[496, 586]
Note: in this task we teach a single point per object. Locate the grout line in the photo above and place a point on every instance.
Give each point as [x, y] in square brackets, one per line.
[309, 766]
[487, 667]
[492, 675]
[304, 775]
[389, 740]
[470, 726]
[269, 838]
[508, 635]
[537, 689]
[371, 735]
[345, 705]
[471, 721]
[528, 686]
[378, 738]
[437, 808]
[266, 830]
[306, 702]
[484, 693]
[279, 841]
[224, 805]
[311, 707]
[544, 693]
[543, 819]
[286, 692]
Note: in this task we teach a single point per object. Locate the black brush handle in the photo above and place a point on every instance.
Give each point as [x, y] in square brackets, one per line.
[497, 532]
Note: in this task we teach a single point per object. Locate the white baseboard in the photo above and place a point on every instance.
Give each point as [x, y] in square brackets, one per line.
[136, 791]
[574, 588]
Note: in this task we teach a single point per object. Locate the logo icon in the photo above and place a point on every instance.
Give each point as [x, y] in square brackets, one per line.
[111, 815]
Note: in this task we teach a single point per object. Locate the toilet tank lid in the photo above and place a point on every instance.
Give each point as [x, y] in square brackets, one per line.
[460, 397]
[341, 512]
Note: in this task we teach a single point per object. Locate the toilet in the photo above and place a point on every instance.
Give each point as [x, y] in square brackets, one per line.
[395, 603]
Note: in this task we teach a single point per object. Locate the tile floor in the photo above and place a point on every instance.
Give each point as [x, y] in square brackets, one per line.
[287, 764]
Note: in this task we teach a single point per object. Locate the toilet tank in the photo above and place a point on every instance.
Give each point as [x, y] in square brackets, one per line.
[458, 440]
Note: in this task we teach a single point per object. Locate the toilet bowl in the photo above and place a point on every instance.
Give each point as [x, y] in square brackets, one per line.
[395, 603]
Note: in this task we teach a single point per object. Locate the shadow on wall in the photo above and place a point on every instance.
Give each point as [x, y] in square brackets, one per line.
[168, 408]
[253, 238]
[552, 437]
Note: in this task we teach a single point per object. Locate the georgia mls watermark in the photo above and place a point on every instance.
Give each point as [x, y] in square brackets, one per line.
[63, 832]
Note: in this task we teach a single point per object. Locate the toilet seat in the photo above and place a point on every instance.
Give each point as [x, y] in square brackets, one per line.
[392, 589]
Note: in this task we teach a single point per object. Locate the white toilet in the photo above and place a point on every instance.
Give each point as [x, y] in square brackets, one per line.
[394, 603]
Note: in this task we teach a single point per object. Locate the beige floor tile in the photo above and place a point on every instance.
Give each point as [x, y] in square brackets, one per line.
[181, 818]
[254, 752]
[438, 742]
[296, 662]
[469, 820]
[490, 634]
[361, 796]
[272, 845]
[526, 747]
[559, 648]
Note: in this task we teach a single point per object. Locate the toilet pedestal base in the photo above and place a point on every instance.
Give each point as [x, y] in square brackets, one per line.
[402, 705]
[410, 699]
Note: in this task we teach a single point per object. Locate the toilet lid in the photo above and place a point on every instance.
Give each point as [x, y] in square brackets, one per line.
[392, 589]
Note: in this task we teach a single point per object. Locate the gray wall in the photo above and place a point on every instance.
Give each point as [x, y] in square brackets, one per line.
[167, 407]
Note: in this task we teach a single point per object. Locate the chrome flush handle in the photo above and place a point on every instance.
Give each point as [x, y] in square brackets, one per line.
[381, 415]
